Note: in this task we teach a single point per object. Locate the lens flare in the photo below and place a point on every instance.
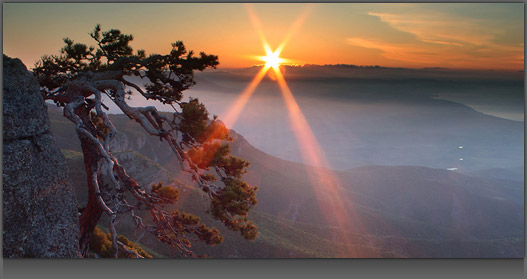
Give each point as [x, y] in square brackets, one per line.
[330, 195]
[272, 60]
[233, 113]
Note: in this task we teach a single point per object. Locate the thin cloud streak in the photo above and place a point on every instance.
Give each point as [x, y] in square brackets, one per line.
[443, 43]
[456, 41]
[440, 27]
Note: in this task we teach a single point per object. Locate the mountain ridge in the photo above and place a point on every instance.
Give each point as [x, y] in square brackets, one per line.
[394, 220]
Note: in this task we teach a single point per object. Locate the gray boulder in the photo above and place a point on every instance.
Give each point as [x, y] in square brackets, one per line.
[40, 215]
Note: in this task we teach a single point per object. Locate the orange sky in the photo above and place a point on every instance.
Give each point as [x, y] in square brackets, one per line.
[471, 35]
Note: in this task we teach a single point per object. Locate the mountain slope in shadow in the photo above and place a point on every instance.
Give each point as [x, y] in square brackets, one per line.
[397, 211]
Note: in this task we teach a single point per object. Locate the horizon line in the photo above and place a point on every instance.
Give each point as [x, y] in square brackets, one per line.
[364, 67]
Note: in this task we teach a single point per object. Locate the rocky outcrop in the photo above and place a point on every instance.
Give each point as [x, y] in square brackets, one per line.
[40, 212]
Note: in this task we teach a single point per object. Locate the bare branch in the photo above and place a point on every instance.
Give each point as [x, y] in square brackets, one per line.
[126, 250]
[77, 79]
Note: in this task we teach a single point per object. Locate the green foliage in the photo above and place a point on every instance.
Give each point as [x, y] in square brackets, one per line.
[183, 223]
[208, 154]
[193, 121]
[166, 193]
[81, 71]
[211, 236]
[168, 75]
[112, 44]
[132, 246]
[196, 126]
[208, 177]
[233, 166]
[101, 244]
[235, 199]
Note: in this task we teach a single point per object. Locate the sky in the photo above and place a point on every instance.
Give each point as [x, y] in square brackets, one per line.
[417, 35]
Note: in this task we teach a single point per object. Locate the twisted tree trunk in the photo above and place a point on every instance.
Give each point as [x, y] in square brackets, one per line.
[91, 214]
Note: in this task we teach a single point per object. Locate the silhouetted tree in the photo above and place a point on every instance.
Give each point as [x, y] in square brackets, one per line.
[78, 78]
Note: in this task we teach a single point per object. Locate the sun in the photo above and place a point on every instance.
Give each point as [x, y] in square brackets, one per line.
[272, 59]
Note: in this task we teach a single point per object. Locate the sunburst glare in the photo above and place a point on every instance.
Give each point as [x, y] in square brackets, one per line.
[272, 59]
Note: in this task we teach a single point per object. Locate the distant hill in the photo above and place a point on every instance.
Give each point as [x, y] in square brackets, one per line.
[404, 211]
[411, 201]
[500, 173]
[439, 118]
[374, 71]
[385, 116]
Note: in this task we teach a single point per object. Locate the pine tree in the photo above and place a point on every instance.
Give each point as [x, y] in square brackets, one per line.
[79, 77]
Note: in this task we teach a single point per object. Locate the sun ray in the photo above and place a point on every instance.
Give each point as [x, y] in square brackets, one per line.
[231, 115]
[295, 26]
[330, 195]
[328, 189]
[257, 26]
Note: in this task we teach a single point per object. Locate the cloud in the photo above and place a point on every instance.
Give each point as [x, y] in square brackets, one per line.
[442, 43]
[440, 28]
[402, 52]
[443, 39]
[425, 54]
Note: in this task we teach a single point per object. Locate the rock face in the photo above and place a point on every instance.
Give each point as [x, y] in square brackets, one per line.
[39, 205]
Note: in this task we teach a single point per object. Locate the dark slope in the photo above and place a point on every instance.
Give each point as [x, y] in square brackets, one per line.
[411, 201]
[404, 211]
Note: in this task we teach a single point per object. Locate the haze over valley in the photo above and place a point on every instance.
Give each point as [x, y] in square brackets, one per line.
[440, 118]
[264, 130]
[394, 149]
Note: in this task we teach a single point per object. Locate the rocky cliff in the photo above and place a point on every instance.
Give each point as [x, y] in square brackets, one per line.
[40, 210]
